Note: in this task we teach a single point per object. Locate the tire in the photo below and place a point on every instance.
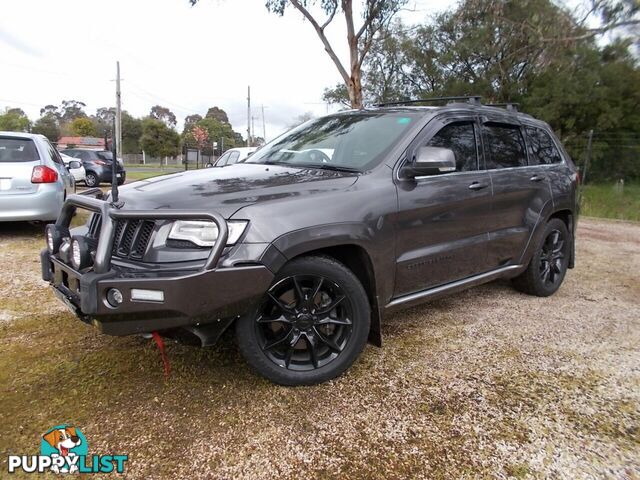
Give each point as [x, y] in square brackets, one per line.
[549, 263]
[91, 180]
[310, 326]
[120, 181]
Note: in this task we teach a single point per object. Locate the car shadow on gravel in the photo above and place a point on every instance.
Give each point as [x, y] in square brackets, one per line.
[11, 230]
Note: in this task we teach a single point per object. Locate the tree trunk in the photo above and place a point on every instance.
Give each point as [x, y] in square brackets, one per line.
[355, 88]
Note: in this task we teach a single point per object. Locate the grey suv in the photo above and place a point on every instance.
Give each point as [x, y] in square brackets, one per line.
[307, 245]
[98, 166]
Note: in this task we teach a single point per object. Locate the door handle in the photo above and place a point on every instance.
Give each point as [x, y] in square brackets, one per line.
[478, 186]
[537, 178]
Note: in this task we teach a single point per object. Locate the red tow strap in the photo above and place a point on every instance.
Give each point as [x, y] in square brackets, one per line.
[163, 353]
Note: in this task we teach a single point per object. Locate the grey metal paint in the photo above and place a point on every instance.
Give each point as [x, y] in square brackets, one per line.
[424, 237]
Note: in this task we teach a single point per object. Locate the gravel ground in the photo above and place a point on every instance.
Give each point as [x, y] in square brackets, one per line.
[487, 383]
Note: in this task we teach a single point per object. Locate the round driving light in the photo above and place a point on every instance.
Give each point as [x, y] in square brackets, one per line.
[54, 236]
[114, 297]
[80, 253]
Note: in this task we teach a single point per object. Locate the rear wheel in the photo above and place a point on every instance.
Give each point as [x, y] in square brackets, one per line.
[91, 180]
[549, 263]
[310, 326]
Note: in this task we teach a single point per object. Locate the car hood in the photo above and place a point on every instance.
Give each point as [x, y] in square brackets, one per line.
[228, 189]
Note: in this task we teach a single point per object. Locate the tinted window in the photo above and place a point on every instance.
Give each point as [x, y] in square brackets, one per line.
[18, 150]
[505, 145]
[459, 137]
[53, 153]
[106, 155]
[350, 141]
[542, 150]
[233, 158]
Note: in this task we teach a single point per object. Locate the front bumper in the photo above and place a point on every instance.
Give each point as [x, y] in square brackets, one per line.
[195, 297]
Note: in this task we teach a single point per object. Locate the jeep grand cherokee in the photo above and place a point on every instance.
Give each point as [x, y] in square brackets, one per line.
[306, 246]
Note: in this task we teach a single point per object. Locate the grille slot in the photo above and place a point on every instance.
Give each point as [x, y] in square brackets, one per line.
[94, 225]
[132, 238]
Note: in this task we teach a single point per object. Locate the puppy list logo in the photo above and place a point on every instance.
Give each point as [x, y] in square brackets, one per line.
[64, 449]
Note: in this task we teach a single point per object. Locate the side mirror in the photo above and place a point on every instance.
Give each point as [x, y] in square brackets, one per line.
[73, 165]
[431, 161]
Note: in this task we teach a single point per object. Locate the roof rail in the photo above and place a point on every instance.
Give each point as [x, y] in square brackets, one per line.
[473, 100]
[510, 106]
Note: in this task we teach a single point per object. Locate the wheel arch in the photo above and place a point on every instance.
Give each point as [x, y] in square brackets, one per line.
[567, 217]
[356, 258]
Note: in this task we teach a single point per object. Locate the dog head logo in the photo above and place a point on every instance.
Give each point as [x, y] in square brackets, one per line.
[63, 439]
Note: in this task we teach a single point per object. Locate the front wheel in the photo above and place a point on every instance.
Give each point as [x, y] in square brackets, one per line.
[549, 263]
[310, 326]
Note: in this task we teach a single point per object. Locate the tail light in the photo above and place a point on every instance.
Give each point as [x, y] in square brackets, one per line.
[578, 177]
[43, 174]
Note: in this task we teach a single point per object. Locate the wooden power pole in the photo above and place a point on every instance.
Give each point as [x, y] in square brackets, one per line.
[118, 119]
[248, 116]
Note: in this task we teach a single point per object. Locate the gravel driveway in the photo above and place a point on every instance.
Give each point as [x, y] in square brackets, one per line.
[489, 382]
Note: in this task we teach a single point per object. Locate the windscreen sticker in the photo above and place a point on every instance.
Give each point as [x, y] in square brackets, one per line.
[404, 120]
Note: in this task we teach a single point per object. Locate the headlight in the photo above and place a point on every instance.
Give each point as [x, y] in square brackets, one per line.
[54, 236]
[80, 253]
[203, 233]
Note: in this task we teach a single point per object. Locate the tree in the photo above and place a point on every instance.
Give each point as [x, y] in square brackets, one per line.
[50, 110]
[376, 14]
[47, 125]
[158, 140]
[131, 133]
[218, 114]
[200, 135]
[164, 115]
[83, 127]
[71, 109]
[190, 121]
[14, 120]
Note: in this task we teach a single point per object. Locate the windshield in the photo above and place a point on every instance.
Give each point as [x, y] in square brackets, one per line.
[356, 141]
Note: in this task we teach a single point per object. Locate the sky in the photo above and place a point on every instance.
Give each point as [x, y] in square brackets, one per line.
[172, 54]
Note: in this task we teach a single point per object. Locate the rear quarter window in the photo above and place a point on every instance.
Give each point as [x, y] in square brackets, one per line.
[18, 150]
[542, 149]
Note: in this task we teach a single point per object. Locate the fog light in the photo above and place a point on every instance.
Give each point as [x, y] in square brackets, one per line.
[142, 295]
[114, 297]
[54, 236]
[80, 253]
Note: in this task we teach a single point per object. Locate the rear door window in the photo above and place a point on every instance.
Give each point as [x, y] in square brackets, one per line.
[542, 149]
[504, 145]
[18, 150]
[461, 138]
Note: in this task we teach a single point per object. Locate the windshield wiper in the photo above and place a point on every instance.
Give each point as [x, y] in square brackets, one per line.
[327, 166]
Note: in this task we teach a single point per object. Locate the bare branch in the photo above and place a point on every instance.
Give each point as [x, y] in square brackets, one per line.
[320, 31]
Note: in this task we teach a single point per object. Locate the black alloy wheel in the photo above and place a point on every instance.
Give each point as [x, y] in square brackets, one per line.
[310, 325]
[304, 323]
[549, 263]
[551, 258]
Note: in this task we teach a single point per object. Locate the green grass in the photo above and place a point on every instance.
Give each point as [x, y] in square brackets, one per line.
[133, 176]
[610, 201]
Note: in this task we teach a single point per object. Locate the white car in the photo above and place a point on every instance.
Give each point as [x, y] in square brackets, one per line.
[76, 169]
[233, 155]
